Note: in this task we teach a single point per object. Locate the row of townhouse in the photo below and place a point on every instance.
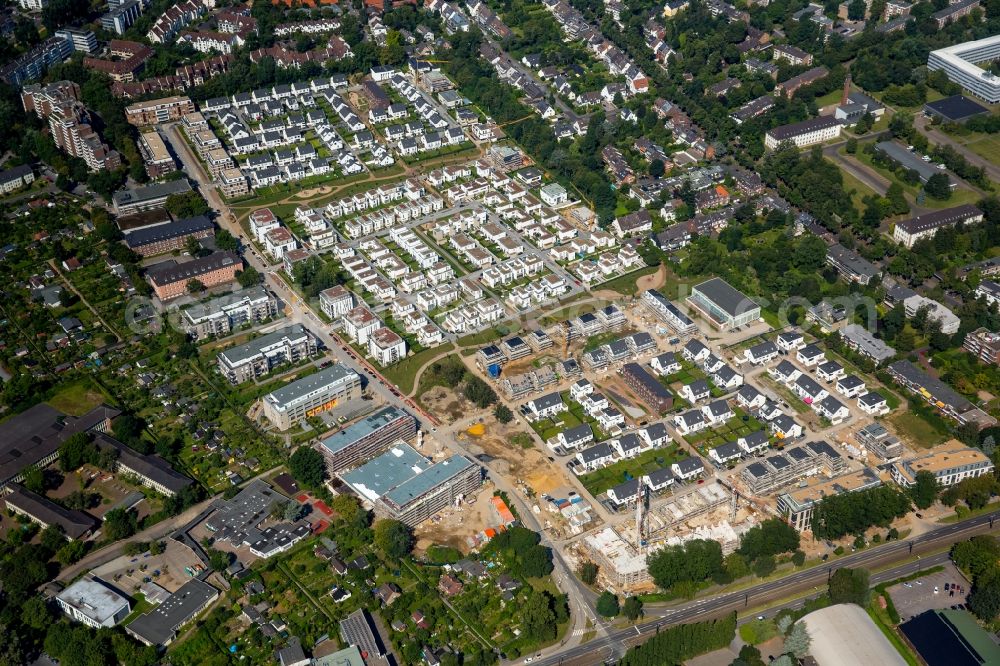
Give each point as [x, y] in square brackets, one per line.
[608, 265]
[537, 291]
[365, 275]
[589, 324]
[388, 218]
[510, 270]
[743, 447]
[618, 351]
[491, 358]
[625, 447]
[320, 234]
[475, 315]
[791, 466]
[369, 199]
[533, 381]
[631, 491]
[472, 251]
[415, 322]
[574, 245]
[431, 141]
[417, 249]
[173, 20]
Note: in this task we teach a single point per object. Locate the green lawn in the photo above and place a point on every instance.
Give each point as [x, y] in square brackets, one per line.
[626, 284]
[918, 429]
[646, 462]
[959, 196]
[489, 335]
[404, 373]
[857, 189]
[986, 146]
[78, 397]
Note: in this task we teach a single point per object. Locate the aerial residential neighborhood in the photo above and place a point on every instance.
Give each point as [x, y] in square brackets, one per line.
[554, 333]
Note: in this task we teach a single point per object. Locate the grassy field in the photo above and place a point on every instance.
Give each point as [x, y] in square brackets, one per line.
[404, 373]
[958, 197]
[626, 284]
[986, 146]
[489, 335]
[860, 190]
[646, 462]
[917, 429]
[77, 398]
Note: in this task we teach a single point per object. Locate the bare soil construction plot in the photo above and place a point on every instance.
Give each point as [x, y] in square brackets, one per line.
[453, 526]
[517, 456]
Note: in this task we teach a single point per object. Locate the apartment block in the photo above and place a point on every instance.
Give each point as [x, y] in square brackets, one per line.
[222, 315]
[260, 356]
[364, 439]
[170, 279]
[158, 111]
[311, 395]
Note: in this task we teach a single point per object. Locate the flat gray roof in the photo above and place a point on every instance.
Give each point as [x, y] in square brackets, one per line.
[335, 374]
[731, 300]
[340, 440]
[94, 598]
[158, 626]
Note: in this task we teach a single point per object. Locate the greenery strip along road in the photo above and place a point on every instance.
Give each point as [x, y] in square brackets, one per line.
[716, 606]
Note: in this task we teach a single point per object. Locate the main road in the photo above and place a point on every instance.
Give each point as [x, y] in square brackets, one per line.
[613, 644]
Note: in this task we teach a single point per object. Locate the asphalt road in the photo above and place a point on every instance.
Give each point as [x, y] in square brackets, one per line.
[616, 642]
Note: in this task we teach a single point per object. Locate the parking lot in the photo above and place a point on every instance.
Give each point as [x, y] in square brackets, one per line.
[928, 593]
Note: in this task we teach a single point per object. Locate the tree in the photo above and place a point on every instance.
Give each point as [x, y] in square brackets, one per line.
[248, 277]
[656, 168]
[925, 489]
[588, 572]
[219, 559]
[195, 286]
[749, 656]
[308, 467]
[938, 186]
[226, 241]
[294, 511]
[34, 480]
[71, 552]
[502, 413]
[856, 10]
[694, 561]
[393, 538]
[189, 204]
[798, 641]
[120, 524]
[607, 604]
[771, 537]
[977, 555]
[479, 392]
[798, 558]
[984, 599]
[764, 566]
[538, 619]
[76, 451]
[536, 561]
[53, 537]
[849, 586]
[632, 608]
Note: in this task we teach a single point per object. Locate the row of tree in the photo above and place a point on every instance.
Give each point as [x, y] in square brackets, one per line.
[852, 513]
[676, 645]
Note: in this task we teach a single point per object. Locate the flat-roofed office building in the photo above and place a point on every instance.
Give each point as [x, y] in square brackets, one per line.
[961, 63]
[366, 438]
[726, 307]
[286, 406]
[94, 603]
[404, 485]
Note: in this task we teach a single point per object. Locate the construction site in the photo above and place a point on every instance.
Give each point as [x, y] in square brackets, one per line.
[710, 511]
